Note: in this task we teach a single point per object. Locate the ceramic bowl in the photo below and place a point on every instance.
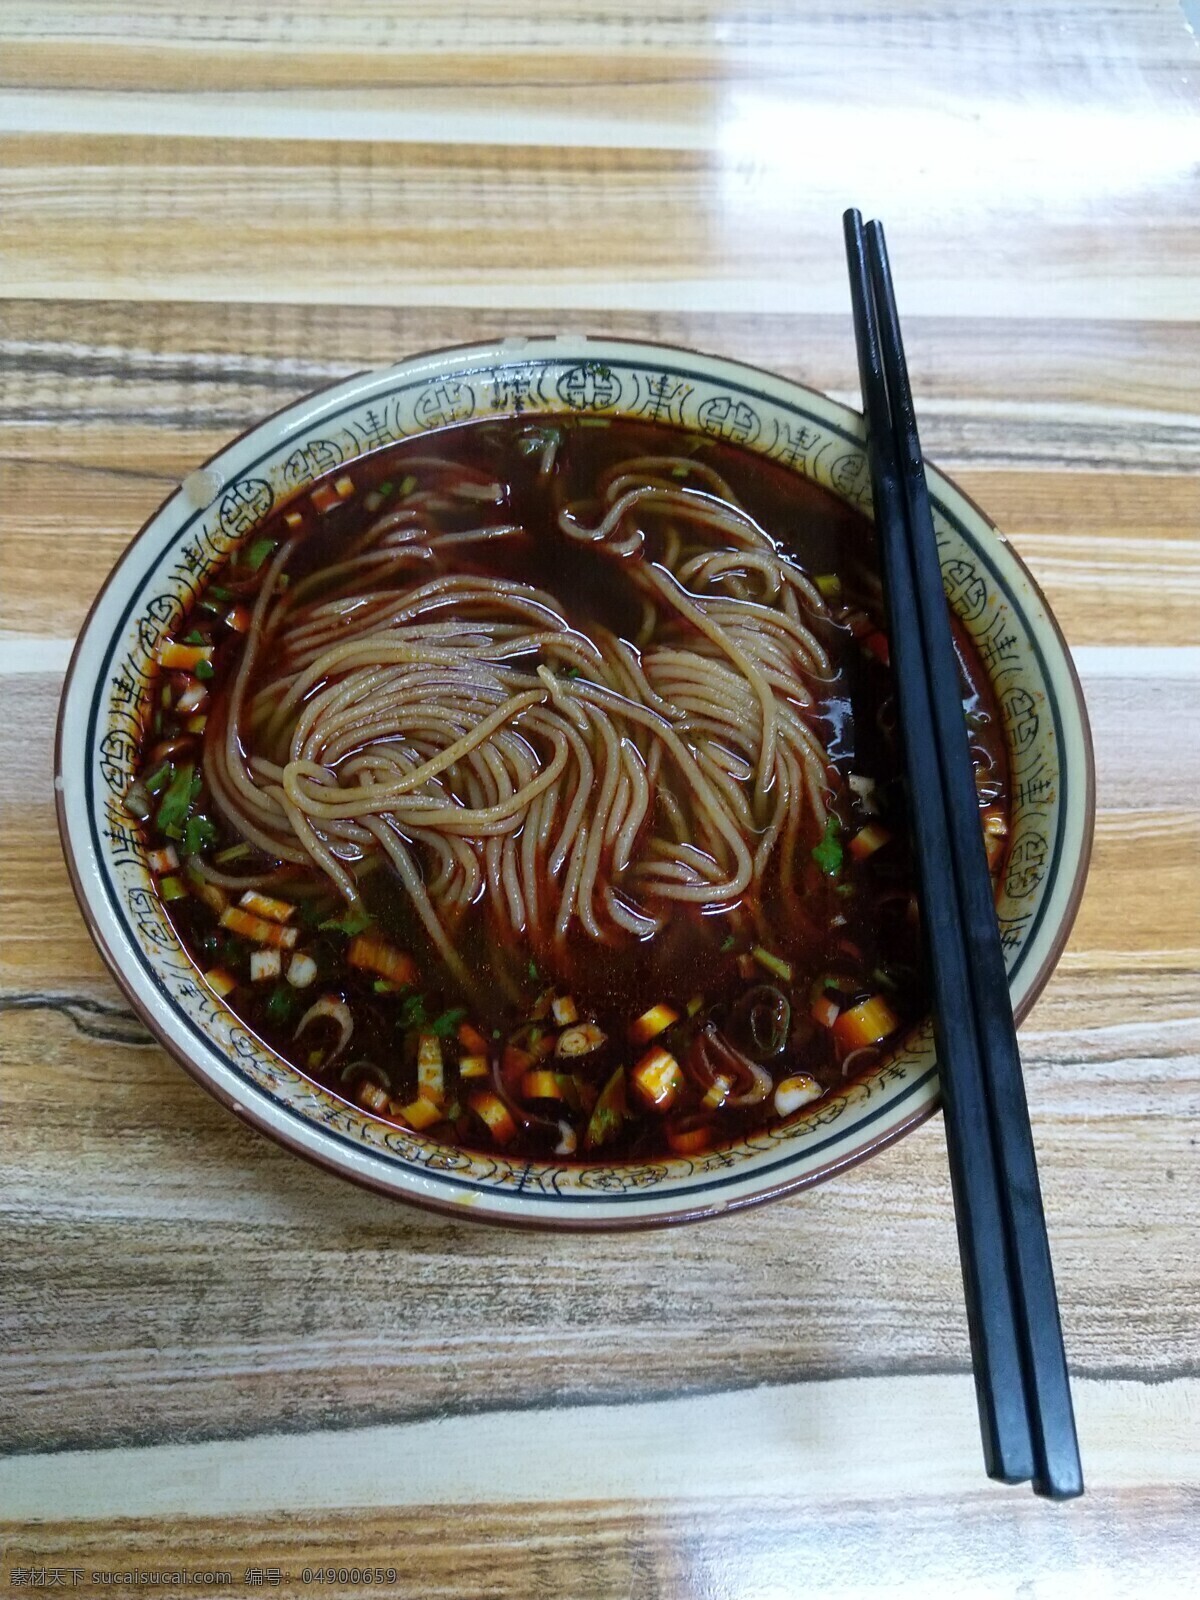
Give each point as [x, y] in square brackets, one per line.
[221, 503]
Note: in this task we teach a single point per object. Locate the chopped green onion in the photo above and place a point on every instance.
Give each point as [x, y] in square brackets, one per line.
[774, 964]
[727, 943]
[195, 637]
[354, 920]
[386, 488]
[281, 1004]
[157, 780]
[200, 834]
[407, 486]
[829, 584]
[172, 888]
[413, 1013]
[235, 852]
[445, 1025]
[533, 971]
[258, 553]
[218, 593]
[204, 670]
[828, 854]
[176, 802]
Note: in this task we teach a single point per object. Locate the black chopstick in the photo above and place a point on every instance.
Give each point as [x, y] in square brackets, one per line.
[1020, 1370]
[1056, 1451]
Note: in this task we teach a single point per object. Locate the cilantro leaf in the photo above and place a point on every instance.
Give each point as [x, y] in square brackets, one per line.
[828, 854]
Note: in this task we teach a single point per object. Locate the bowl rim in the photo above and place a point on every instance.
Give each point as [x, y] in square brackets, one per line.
[553, 1220]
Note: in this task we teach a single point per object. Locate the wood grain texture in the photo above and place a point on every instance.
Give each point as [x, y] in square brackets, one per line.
[210, 212]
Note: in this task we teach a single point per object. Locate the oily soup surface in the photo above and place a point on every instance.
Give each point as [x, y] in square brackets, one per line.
[535, 784]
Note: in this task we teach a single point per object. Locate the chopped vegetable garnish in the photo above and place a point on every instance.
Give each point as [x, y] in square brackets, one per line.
[866, 1023]
[302, 969]
[543, 1085]
[773, 964]
[564, 1010]
[651, 1023]
[445, 1025]
[258, 553]
[213, 896]
[265, 965]
[877, 644]
[160, 861]
[372, 1098]
[293, 519]
[407, 485]
[217, 592]
[867, 840]
[263, 905]
[689, 1141]
[828, 853]
[199, 834]
[727, 944]
[197, 724]
[658, 1078]
[175, 657]
[260, 929]
[794, 1092]
[157, 780]
[204, 669]
[373, 954]
[494, 1114]
[471, 1039]
[280, 1006]
[717, 1093]
[829, 584]
[235, 852]
[608, 1113]
[332, 1008]
[353, 920]
[344, 486]
[473, 1067]
[695, 1005]
[238, 619]
[825, 1012]
[413, 1013]
[176, 802]
[430, 1079]
[172, 888]
[219, 981]
[580, 1040]
[422, 1113]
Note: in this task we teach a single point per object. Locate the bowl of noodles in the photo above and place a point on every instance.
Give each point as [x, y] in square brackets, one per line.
[483, 778]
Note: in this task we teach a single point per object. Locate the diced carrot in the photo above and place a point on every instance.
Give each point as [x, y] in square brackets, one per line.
[542, 1085]
[825, 1011]
[866, 1023]
[658, 1078]
[220, 981]
[564, 1010]
[263, 905]
[473, 1067]
[472, 1040]
[651, 1023]
[376, 955]
[258, 928]
[689, 1141]
[494, 1114]
[176, 657]
[422, 1113]
[430, 1078]
[877, 644]
[867, 840]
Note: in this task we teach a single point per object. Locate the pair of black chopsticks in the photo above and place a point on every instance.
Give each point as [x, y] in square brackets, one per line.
[1021, 1378]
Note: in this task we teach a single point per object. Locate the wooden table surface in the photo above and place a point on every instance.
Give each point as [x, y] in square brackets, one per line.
[216, 1358]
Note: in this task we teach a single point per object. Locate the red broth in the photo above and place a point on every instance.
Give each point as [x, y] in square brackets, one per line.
[727, 1018]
